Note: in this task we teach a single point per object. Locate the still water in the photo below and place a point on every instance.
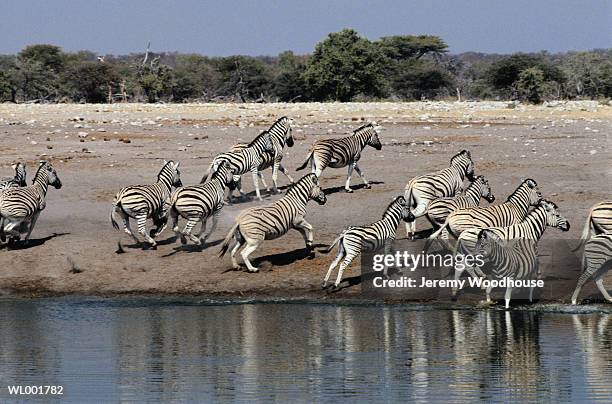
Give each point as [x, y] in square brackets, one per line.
[149, 350]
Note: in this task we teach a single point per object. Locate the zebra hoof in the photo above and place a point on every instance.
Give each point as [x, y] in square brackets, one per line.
[324, 285]
[367, 186]
[254, 270]
[348, 190]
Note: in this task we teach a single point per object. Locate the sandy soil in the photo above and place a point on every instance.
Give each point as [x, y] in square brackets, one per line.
[564, 146]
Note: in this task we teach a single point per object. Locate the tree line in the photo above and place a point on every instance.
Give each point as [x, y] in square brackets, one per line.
[345, 66]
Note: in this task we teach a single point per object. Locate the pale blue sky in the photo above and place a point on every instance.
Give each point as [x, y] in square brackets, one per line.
[267, 27]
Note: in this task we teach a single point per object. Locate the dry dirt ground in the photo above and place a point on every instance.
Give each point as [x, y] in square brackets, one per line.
[564, 146]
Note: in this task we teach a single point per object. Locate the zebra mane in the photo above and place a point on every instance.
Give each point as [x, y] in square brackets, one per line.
[397, 200]
[42, 164]
[301, 181]
[163, 169]
[363, 127]
[258, 138]
[521, 187]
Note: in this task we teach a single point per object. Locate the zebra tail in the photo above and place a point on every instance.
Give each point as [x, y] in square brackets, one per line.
[333, 244]
[436, 233]
[228, 238]
[207, 175]
[585, 233]
[303, 166]
[112, 215]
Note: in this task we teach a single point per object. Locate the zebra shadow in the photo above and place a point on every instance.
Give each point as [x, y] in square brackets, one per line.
[335, 190]
[31, 243]
[192, 248]
[252, 195]
[286, 258]
[353, 281]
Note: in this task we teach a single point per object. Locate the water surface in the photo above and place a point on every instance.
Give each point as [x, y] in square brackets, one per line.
[133, 350]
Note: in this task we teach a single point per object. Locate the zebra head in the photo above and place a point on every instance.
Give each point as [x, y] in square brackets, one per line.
[45, 168]
[20, 174]
[374, 140]
[286, 123]
[485, 189]
[170, 172]
[535, 196]
[224, 172]
[487, 241]
[553, 217]
[405, 213]
[463, 162]
[316, 192]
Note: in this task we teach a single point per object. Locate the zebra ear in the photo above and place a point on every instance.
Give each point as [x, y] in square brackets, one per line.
[177, 164]
[14, 166]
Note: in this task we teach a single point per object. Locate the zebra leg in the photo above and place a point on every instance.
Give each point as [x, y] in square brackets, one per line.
[584, 276]
[175, 228]
[126, 224]
[238, 180]
[263, 181]
[256, 183]
[419, 211]
[508, 296]
[248, 250]
[341, 254]
[141, 220]
[362, 175]
[600, 285]
[286, 172]
[347, 261]
[186, 233]
[275, 177]
[454, 290]
[347, 186]
[32, 224]
[236, 247]
[306, 229]
[215, 220]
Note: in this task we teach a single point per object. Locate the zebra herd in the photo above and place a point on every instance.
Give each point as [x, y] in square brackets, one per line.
[439, 196]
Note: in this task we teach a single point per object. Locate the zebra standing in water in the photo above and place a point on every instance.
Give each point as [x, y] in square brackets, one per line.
[368, 238]
[439, 209]
[197, 203]
[254, 225]
[424, 189]
[23, 205]
[19, 180]
[512, 250]
[141, 202]
[598, 222]
[245, 160]
[346, 151]
[280, 134]
[596, 260]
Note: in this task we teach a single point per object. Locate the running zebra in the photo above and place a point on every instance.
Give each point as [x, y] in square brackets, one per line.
[508, 213]
[19, 180]
[254, 225]
[197, 203]
[424, 189]
[245, 160]
[512, 250]
[346, 151]
[596, 260]
[439, 209]
[20, 206]
[141, 202]
[598, 222]
[280, 134]
[356, 239]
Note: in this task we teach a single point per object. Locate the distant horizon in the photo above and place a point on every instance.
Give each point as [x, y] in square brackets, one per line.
[268, 27]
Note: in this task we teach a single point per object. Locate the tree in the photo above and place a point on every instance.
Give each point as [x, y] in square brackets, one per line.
[530, 84]
[244, 76]
[402, 47]
[588, 74]
[417, 79]
[344, 65]
[92, 81]
[195, 77]
[504, 73]
[289, 81]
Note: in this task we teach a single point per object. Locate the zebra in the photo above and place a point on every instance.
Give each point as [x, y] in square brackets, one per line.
[370, 238]
[141, 202]
[599, 221]
[197, 203]
[512, 250]
[424, 189]
[19, 180]
[245, 160]
[440, 208]
[508, 213]
[20, 206]
[343, 152]
[596, 260]
[280, 134]
[254, 225]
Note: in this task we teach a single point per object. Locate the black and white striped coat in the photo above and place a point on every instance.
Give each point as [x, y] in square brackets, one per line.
[599, 221]
[511, 251]
[197, 203]
[254, 225]
[280, 135]
[356, 239]
[19, 180]
[23, 205]
[439, 209]
[596, 261]
[245, 160]
[343, 152]
[141, 202]
[422, 190]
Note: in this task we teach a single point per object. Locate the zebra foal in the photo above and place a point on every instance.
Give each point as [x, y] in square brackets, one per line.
[141, 202]
[197, 203]
[381, 234]
[23, 205]
[254, 225]
[343, 152]
[422, 190]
